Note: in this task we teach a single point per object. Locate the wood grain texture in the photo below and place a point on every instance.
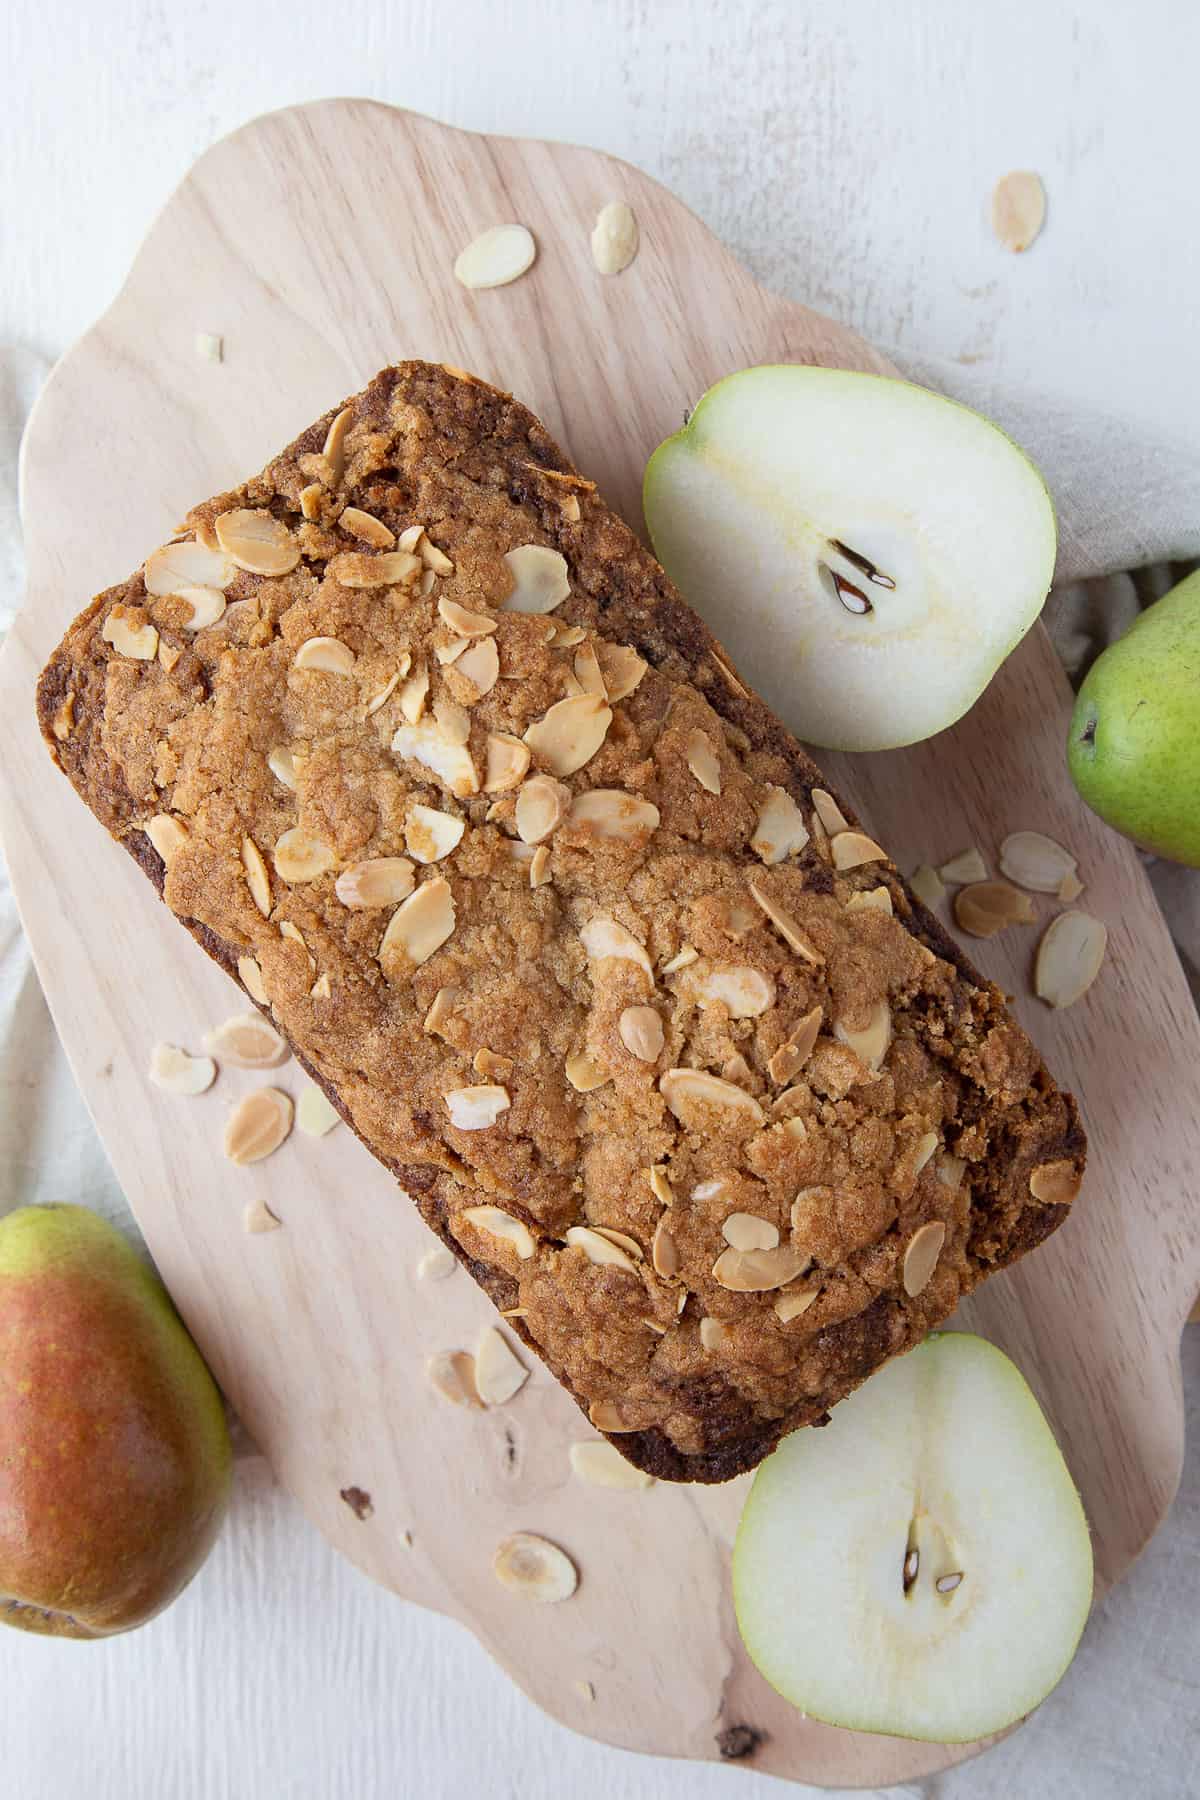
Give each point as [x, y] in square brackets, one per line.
[318, 1331]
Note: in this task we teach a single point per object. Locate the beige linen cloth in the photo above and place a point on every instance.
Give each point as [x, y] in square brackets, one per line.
[1127, 1717]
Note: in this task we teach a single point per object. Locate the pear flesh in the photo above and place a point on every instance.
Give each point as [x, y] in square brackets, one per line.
[868, 551]
[922, 1565]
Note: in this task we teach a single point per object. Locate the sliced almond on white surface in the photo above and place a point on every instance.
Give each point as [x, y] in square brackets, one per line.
[499, 1372]
[257, 541]
[613, 814]
[437, 1264]
[1018, 209]
[257, 1126]
[540, 579]
[534, 1568]
[128, 637]
[178, 1073]
[570, 732]
[248, 1041]
[417, 929]
[780, 831]
[601, 1464]
[744, 992]
[1069, 958]
[257, 1217]
[315, 1113]
[614, 237]
[476, 1108]
[1036, 862]
[497, 256]
[499, 1224]
[187, 565]
[429, 835]
[380, 881]
[452, 1374]
[328, 654]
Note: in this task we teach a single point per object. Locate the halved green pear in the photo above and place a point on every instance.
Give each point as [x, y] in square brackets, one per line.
[922, 1565]
[868, 551]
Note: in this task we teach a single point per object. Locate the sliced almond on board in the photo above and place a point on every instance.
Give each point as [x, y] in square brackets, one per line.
[128, 637]
[497, 256]
[178, 1073]
[601, 1464]
[780, 831]
[920, 1258]
[603, 937]
[569, 734]
[694, 1096]
[499, 1224]
[499, 1372]
[429, 835]
[614, 237]
[257, 1217]
[540, 579]
[1018, 209]
[870, 1041]
[417, 929]
[476, 1108]
[534, 1568]
[187, 565]
[380, 881]
[744, 992]
[257, 541]
[968, 865]
[257, 1126]
[452, 1375]
[1070, 888]
[613, 814]
[316, 1114]
[598, 1248]
[507, 760]
[542, 805]
[641, 1031]
[986, 907]
[746, 1231]
[927, 885]
[703, 761]
[257, 879]
[167, 834]
[327, 654]
[1069, 958]
[248, 1041]
[1035, 861]
[759, 1271]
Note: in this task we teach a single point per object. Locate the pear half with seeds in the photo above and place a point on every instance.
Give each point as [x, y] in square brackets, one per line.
[868, 551]
[922, 1565]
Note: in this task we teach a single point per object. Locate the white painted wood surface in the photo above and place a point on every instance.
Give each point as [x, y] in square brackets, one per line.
[818, 147]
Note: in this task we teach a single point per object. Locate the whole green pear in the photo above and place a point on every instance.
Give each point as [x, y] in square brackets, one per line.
[115, 1459]
[1134, 743]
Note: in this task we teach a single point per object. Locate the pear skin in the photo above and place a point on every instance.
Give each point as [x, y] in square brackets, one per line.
[115, 1459]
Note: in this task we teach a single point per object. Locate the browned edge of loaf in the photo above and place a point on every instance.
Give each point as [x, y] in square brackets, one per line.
[661, 627]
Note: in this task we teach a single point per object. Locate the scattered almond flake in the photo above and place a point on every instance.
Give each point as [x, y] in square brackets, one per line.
[248, 1041]
[661, 1185]
[437, 1264]
[871, 1041]
[877, 899]
[282, 765]
[542, 805]
[793, 1306]
[450, 653]
[743, 991]
[986, 907]
[366, 526]
[781, 830]
[587, 672]
[534, 1568]
[606, 1415]
[602, 936]
[167, 834]
[829, 812]
[746, 1231]
[429, 835]
[425, 585]
[791, 1056]
[310, 500]
[257, 879]
[738, 1070]
[570, 509]
[410, 538]
[507, 760]
[1069, 958]
[414, 694]
[417, 929]
[968, 865]
[363, 569]
[950, 1171]
[519, 852]
[622, 1240]
[385, 693]
[257, 1126]
[759, 1271]
[499, 1224]
[334, 450]
[614, 238]
[209, 345]
[641, 1031]
[452, 720]
[485, 1062]
[540, 579]
[480, 665]
[436, 561]
[179, 1073]
[497, 256]
[598, 1249]
[1056, 1183]
[564, 637]
[380, 881]
[251, 977]
[664, 1252]
[1070, 888]
[600, 1464]
[703, 761]
[693, 1095]
[712, 1334]
[787, 927]
[320, 989]
[1018, 209]
[499, 1372]
[128, 637]
[852, 848]
[441, 1011]
[315, 1114]
[569, 734]
[584, 1074]
[257, 1217]
[683, 959]
[430, 744]
[206, 606]
[462, 620]
[1035, 861]
[188, 564]
[920, 1258]
[452, 1374]
[257, 541]
[294, 934]
[792, 1096]
[476, 1108]
[328, 654]
[927, 885]
[539, 868]
[300, 857]
[613, 814]
[622, 669]
[926, 1146]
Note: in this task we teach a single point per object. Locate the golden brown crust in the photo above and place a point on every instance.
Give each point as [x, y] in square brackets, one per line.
[916, 1069]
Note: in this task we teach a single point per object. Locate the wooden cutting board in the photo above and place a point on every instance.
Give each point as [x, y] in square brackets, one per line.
[319, 244]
